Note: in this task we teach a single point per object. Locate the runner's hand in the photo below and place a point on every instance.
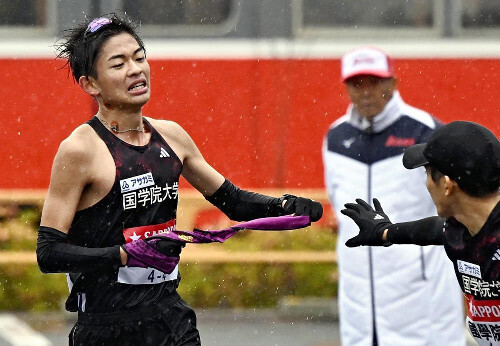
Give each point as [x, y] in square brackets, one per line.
[155, 252]
[371, 222]
[302, 206]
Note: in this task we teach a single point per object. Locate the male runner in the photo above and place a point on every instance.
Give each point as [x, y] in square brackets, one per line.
[462, 162]
[114, 180]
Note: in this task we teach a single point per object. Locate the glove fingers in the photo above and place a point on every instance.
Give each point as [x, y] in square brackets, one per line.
[318, 211]
[303, 206]
[362, 203]
[353, 242]
[317, 214]
[350, 213]
[169, 247]
[312, 208]
[353, 206]
[377, 205]
[305, 210]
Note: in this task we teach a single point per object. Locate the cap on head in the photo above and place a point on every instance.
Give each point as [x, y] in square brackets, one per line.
[465, 151]
[367, 61]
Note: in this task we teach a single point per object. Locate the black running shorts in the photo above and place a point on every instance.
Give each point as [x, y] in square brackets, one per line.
[171, 323]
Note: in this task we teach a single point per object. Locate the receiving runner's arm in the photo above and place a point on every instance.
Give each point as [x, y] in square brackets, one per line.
[375, 228]
[238, 204]
[70, 174]
[428, 231]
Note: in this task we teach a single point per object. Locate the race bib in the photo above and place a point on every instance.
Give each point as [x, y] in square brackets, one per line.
[483, 320]
[145, 276]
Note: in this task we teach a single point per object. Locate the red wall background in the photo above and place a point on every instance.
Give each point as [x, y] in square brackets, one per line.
[259, 122]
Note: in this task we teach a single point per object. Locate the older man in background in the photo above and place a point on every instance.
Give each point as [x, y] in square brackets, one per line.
[403, 295]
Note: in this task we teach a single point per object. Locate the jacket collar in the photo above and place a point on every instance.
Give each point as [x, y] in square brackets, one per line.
[391, 112]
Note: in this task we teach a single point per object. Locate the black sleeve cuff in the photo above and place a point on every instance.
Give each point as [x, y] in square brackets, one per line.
[428, 231]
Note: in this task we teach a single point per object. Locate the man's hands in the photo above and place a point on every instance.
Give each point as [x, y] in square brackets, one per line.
[372, 223]
[302, 206]
[156, 252]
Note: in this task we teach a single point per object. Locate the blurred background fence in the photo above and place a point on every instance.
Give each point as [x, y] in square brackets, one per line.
[253, 269]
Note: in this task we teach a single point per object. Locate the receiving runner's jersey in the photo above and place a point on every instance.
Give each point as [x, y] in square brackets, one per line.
[141, 203]
[477, 266]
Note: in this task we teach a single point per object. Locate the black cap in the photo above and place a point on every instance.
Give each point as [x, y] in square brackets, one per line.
[465, 151]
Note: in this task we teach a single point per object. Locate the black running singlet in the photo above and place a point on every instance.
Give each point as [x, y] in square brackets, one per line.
[477, 265]
[144, 194]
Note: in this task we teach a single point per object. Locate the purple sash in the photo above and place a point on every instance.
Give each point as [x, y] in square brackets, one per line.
[197, 236]
[143, 253]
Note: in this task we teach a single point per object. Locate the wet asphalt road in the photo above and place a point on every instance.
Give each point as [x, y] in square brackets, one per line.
[217, 327]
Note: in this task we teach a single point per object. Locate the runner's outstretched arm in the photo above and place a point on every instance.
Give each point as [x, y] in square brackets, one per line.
[237, 204]
[375, 228]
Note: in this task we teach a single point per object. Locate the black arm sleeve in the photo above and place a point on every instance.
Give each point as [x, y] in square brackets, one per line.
[428, 231]
[241, 205]
[55, 255]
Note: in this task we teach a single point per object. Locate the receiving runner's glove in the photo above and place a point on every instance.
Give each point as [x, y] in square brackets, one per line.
[371, 223]
[155, 252]
[302, 206]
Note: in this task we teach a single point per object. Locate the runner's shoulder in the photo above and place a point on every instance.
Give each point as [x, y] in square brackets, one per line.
[169, 129]
[79, 146]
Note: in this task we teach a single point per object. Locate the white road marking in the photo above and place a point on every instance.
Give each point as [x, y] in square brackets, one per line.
[18, 333]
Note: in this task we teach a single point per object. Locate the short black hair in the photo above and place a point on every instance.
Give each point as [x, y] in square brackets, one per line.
[474, 191]
[435, 174]
[81, 46]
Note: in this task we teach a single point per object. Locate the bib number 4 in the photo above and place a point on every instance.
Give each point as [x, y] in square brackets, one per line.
[144, 276]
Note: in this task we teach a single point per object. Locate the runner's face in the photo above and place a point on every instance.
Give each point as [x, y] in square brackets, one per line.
[370, 94]
[123, 74]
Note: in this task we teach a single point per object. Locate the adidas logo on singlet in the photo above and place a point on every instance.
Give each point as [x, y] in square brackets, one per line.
[163, 153]
[496, 256]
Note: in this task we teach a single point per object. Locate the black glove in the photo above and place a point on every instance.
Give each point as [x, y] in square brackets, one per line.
[170, 247]
[371, 223]
[302, 206]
